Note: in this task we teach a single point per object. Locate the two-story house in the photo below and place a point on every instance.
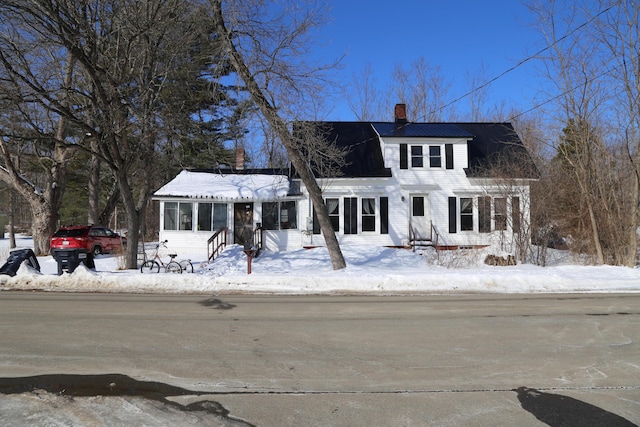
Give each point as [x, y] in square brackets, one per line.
[404, 184]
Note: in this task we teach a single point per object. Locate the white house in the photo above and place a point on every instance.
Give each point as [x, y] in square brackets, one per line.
[448, 185]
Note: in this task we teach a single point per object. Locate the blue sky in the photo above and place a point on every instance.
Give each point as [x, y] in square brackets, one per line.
[457, 35]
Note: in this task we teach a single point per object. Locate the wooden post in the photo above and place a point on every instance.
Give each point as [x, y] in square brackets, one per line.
[250, 253]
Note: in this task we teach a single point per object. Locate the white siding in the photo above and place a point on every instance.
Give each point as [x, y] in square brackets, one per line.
[437, 184]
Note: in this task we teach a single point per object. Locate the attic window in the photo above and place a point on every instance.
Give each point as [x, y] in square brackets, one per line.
[418, 156]
[417, 160]
[435, 156]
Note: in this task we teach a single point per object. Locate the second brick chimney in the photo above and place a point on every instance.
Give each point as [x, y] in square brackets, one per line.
[239, 158]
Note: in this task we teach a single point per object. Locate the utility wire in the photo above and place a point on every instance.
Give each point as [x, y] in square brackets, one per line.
[519, 64]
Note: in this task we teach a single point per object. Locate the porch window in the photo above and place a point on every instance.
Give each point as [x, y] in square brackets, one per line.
[368, 214]
[417, 160]
[170, 216]
[279, 215]
[435, 156]
[178, 216]
[500, 213]
[212, 216]
[220, 214]
[484, 214]
[204, 216]
[466, 214]
[186, 216]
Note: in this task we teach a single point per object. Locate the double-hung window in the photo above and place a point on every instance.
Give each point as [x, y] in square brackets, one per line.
[417, 160]
[333, 207]
[368, 214]
[466, 214]
[435, 156]
[418, 156]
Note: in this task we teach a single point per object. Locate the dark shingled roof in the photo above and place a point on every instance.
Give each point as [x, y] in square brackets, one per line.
[490, 146]
[364, 156]
[428, 130]
[496, 148]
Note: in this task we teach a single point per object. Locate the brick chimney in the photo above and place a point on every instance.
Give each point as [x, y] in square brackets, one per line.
[240, 158]
[400, 113]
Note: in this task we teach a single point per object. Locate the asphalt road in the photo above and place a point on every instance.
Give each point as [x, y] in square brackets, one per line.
[452, 360]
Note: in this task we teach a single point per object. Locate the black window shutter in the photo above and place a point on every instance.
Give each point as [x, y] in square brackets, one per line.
[350, 215]
[384, 215]
[404, 159]
[453, 215]
[448, 153]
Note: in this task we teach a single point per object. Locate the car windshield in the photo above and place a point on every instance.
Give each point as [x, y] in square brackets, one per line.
[72, 232]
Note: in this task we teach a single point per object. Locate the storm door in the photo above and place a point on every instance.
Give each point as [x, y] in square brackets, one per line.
[420, 217]
[242, 222]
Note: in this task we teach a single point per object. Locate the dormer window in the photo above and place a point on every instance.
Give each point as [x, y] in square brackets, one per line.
[414, 156]
[418, 156]
[417, 160]
[435, 158]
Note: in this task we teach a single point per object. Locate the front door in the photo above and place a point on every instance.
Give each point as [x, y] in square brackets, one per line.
[242, 222]
[420, 217]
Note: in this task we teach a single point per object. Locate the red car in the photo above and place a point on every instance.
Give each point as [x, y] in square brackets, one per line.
[96, 239]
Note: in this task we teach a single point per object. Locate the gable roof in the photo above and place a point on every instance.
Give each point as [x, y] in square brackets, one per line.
[490, 145]
[425, 130]
[497, 148]
[220, 186]
[363, 152]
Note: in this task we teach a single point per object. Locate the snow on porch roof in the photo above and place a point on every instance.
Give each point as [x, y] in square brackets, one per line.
[225, 186]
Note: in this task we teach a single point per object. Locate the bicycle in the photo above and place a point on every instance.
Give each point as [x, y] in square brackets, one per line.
[153, 265]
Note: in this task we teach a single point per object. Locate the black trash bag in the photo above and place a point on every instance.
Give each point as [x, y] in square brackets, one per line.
[15, 260]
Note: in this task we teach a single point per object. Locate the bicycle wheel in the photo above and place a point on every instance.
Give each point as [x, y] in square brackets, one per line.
[186, 266]
[150, 267]
[173, 267]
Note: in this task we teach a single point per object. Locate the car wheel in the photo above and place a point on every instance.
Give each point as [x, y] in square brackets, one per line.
[97, 250]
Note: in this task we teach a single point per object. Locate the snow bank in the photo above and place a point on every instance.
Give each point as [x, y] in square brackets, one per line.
[308, 271]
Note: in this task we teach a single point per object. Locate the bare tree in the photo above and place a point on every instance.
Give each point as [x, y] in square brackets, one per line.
[421, 86]
[365, 99]
[263, 52]
[619, 31]
[130, 63]
[35, 147]
[593, 60]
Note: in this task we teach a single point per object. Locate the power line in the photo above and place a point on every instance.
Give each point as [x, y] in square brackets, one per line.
[519, 64]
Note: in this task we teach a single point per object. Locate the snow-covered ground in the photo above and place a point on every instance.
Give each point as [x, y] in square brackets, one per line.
[308, 271]
[370, 270]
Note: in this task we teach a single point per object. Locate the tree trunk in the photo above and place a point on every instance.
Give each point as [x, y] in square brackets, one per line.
[633, 231]
[94, 187]
[12, 219]
[44, 223]
[280, 128]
